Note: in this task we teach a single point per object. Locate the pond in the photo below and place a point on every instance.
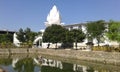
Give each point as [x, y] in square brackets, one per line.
[26, 63]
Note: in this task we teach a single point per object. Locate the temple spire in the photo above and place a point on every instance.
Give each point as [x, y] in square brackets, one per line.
[53, 17]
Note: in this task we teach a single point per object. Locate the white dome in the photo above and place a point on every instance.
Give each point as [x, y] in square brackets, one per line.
[53, 17]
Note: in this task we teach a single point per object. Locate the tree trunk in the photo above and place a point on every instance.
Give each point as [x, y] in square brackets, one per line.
[48, 46]
[119, 47]
[76, 45]
[56, 45]
[98, 42]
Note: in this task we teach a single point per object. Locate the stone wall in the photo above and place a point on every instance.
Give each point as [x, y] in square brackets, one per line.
[4, 51]
[94, 56]
[13, 51]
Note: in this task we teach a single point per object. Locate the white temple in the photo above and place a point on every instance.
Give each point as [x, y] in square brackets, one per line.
[53, 17]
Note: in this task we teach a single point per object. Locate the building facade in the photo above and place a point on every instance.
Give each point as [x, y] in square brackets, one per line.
[55, 18]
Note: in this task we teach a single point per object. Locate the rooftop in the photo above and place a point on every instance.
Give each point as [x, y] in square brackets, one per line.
[76, 24]
[6, 31]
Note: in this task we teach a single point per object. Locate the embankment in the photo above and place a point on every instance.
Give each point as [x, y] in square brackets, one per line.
[93, 56]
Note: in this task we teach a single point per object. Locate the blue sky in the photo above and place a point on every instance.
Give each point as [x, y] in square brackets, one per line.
[15, 14]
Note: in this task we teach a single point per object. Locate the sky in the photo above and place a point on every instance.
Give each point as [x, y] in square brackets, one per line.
[16, 14]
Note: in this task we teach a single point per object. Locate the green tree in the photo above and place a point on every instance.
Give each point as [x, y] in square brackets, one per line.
[54, 34]
[95, 30]
[25, 65]
[27, 32]
[21, 35]
[5, 61]
[77, 36]
[6, 40]
[68, 40]
[114, 31]
[26, 36]
[29, 36]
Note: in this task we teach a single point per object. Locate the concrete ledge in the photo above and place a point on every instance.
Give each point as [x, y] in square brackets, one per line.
[93, 56]
[4, 51]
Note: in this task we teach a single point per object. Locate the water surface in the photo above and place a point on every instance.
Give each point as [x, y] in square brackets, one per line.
[25, 63]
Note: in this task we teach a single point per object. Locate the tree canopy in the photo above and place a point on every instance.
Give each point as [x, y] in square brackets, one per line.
[77, 36]
[21, 35]
[95, 29]
[6, 38]
[26, 36]
[57, 33]
[54, 34]
[114, 31]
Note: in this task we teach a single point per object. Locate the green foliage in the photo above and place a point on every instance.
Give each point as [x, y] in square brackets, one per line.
[29, 35]
[68, 37]
[54, 34]
[74, 36]
[114, 31]
[90, 69]
[95, 29]
[6, 45]
[66, 68]
[25, 65]
[68, 40]
[77, 36]
[102, 48]
[20, 35]
[26, 36]
[5, 61]
[6, 38]
[106, 48]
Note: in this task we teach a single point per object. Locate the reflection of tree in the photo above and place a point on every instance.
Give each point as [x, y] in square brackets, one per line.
[53, 69]
[90, 69]
[28, 65]
[6, 62]
[25, 65]
[66, 68]
[18, 65]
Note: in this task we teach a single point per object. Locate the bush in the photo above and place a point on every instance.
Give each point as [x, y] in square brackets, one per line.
[101, 48]
[106, 48]
[7, 45]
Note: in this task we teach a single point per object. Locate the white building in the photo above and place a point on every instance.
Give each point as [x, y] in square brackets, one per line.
[55, 18]
[52, 18]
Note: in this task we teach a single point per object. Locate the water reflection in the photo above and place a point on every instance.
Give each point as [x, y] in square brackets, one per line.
[41, 64]
[19, 65]
[24, 65]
